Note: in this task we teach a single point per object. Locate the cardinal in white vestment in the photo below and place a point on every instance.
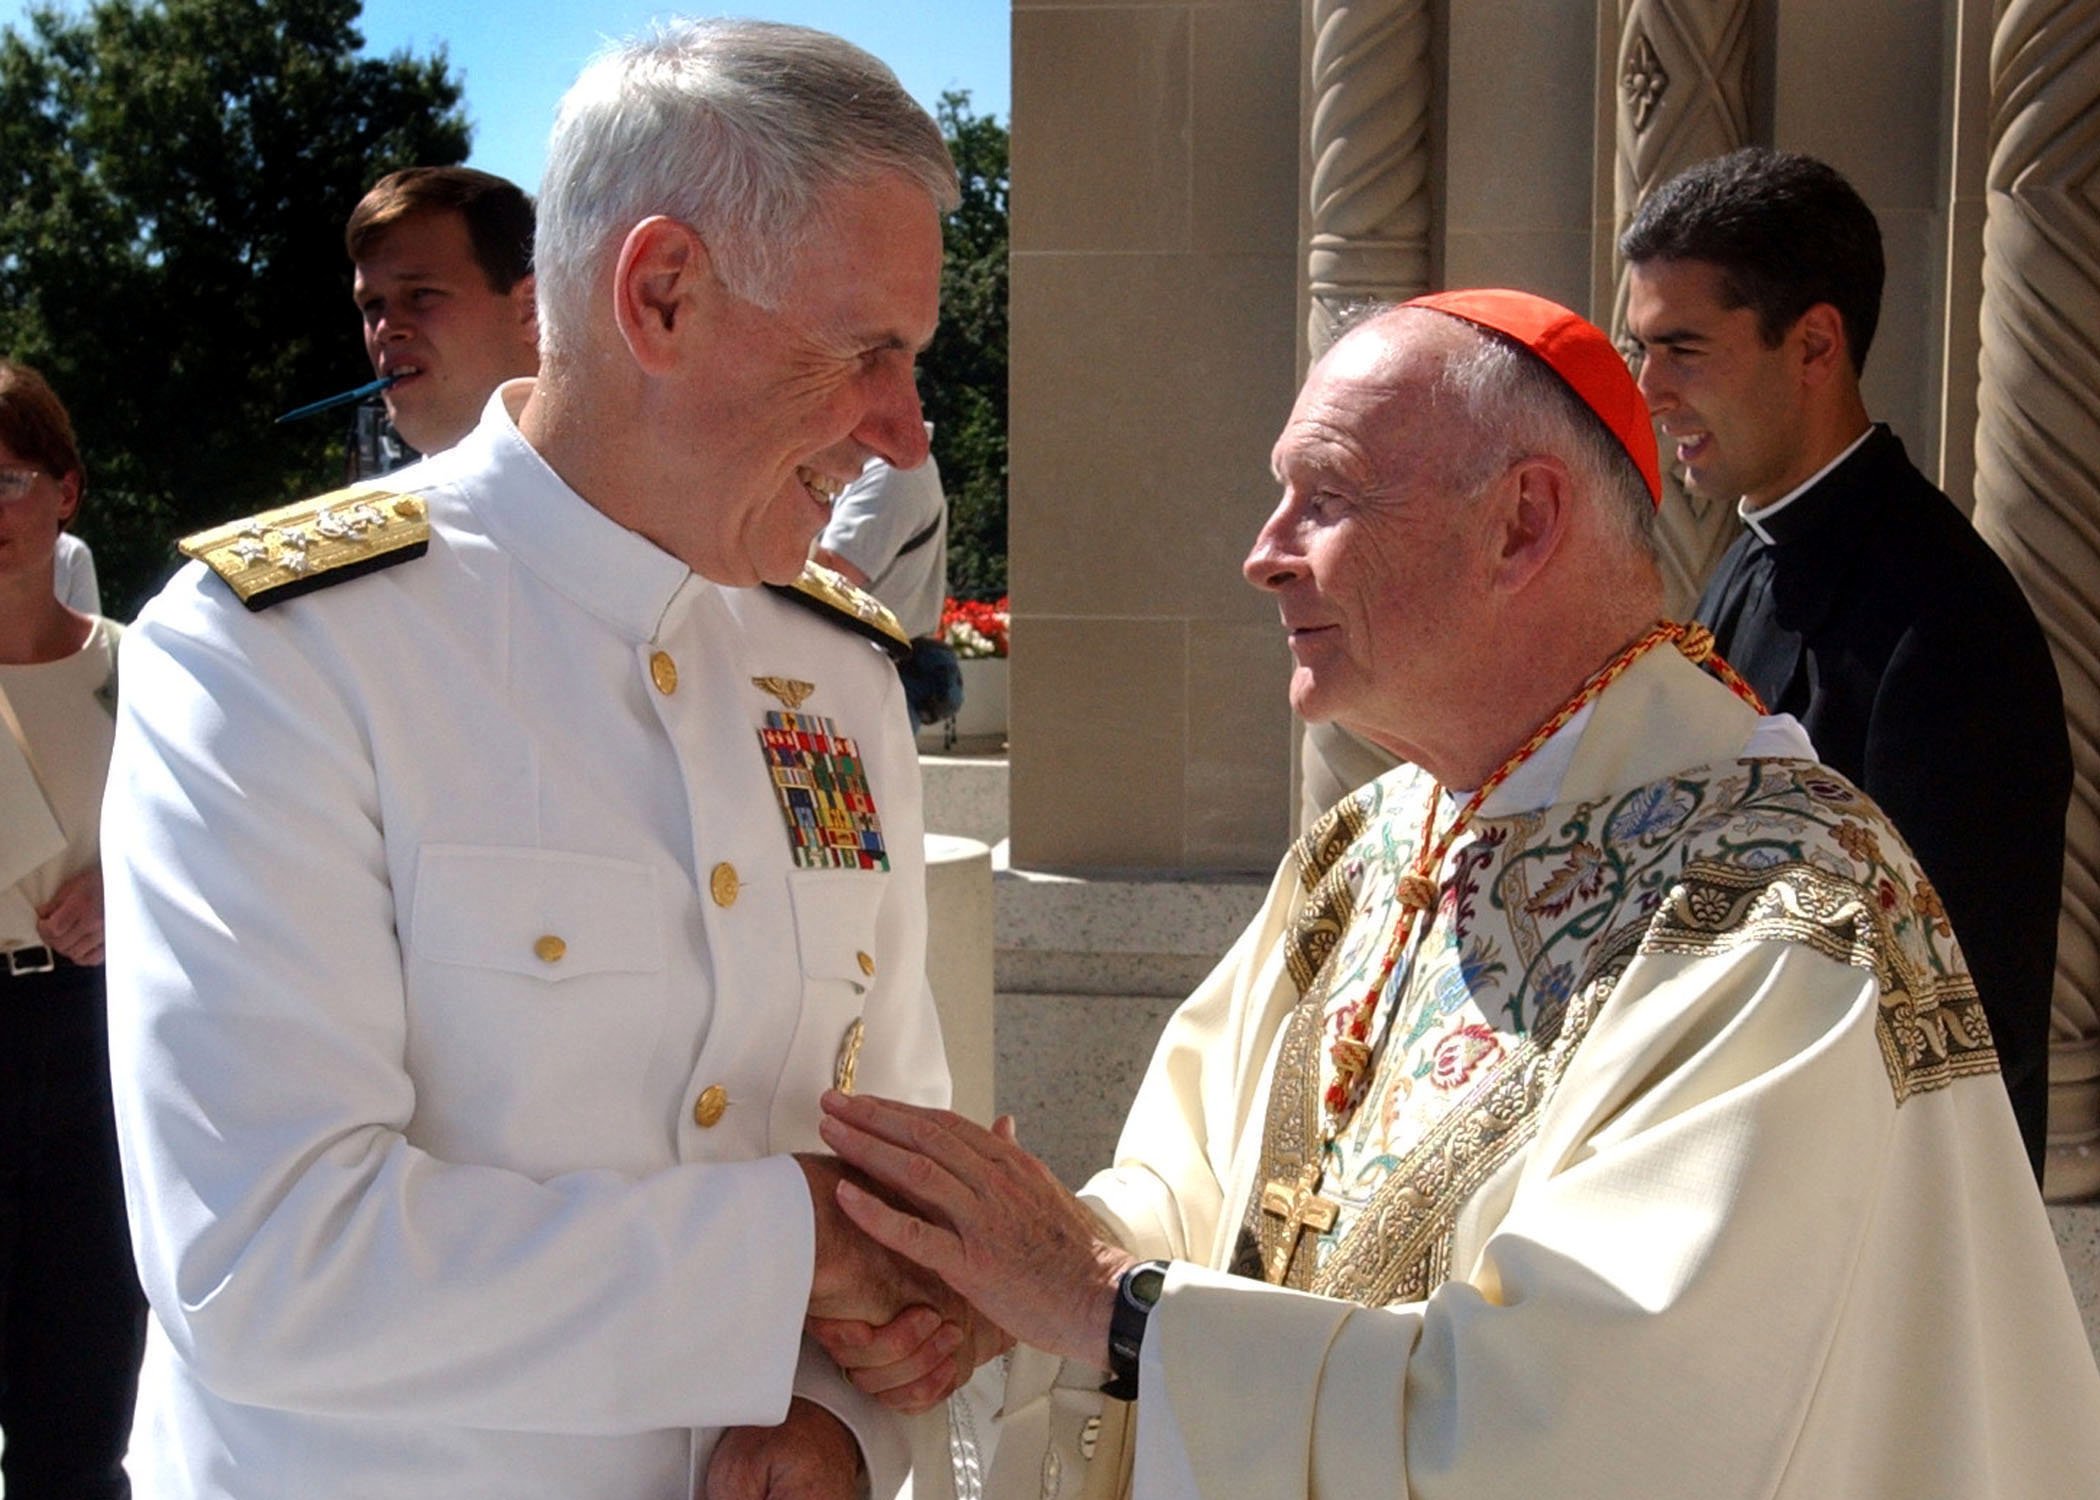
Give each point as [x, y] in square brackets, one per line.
[1599, 1106]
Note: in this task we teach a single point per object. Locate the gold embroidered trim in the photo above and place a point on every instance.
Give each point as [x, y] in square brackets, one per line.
[1321, 847]
[831, 590]
[295, 549]
[1399, 1248]
[1930, 1029]
[1930, 1026]
[829, 595]
[1318, 928]
[1315, 934]
[1290, 1139]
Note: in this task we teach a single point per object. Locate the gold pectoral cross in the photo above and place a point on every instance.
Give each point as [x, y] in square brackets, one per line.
[1301, 1208]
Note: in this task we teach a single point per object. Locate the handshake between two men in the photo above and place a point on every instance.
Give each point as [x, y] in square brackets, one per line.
[939, 1243]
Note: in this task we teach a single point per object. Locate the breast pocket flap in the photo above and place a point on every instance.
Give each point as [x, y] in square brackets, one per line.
[835, 912]
[538, 913]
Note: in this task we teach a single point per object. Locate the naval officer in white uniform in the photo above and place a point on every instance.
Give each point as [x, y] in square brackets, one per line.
[498, 872]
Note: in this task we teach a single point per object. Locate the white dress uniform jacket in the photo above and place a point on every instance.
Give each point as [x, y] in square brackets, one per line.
[466, 997]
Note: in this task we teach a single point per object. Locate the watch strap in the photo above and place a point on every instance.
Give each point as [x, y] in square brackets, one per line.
[1137, 1292]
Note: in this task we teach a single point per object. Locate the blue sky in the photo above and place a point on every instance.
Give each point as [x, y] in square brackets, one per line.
[518, 56]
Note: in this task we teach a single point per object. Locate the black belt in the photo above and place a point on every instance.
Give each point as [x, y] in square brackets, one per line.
[35, 959]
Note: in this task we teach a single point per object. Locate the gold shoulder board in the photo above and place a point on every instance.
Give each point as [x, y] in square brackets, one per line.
[295, 549]
[824, 591]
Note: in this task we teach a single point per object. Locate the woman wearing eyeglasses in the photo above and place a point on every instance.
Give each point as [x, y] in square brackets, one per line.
[72, 1320]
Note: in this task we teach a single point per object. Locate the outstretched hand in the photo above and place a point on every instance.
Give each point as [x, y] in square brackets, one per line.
[986, 1217]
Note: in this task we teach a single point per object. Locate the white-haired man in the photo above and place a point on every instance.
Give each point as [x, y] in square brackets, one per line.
[486, 923]
[1599, 1108]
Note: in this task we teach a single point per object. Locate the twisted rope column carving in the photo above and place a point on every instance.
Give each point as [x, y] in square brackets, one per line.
[2038, 467]
[1368, 193]
[1682, 84]
[1370, 157]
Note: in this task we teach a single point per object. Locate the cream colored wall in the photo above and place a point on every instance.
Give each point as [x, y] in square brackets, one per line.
[1154, 295]
[1867, 86]
[1159, 302]
[1519, 122]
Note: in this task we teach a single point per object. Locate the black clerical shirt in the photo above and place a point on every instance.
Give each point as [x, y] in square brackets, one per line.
[1879, 618]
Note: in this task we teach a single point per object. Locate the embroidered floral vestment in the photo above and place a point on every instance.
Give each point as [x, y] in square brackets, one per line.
[1539, 916]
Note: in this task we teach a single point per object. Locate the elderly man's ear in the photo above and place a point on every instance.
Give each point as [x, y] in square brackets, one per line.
[1533, 506]
[661, 277]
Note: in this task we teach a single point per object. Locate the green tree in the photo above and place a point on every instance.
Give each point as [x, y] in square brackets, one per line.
[174, 177]
[963, 376]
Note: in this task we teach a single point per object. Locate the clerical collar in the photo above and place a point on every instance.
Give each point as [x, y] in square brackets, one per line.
[1536, 783]
[1756, 519]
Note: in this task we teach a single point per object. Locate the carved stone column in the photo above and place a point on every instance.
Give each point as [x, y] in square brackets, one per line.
[1370, 90]
[1682, 84]
[1369, 139]
[2038, 467]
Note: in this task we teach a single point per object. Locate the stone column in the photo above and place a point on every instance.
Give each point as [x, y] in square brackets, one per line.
[959, 931]
[1368, 184]
[1369, 93]
[1157, 262]
[2038, 467]
[1682, 85]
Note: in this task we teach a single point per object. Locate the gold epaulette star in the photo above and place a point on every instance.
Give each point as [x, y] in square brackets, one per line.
[295, 549]
[821, 589]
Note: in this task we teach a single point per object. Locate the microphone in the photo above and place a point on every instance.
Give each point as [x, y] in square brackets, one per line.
[341, 398]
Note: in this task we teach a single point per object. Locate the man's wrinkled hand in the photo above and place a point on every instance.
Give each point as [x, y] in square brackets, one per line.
[898, 1333]
[809, 1456]
[986, 1217]
[853, 1276]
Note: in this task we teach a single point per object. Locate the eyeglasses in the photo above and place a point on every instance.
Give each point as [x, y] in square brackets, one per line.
[15, 483]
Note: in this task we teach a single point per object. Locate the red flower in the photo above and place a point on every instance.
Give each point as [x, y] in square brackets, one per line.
[975, 627]
[1459, 1055]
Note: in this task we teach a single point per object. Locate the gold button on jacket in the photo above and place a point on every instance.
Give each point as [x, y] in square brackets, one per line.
[664, 673]
[549, 949]
[707, 1109]
[723, 884]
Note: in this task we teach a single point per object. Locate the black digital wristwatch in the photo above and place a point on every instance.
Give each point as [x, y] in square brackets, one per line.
[1136, 1295]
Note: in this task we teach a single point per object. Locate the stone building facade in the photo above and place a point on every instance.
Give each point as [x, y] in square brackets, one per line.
[1199, 184]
